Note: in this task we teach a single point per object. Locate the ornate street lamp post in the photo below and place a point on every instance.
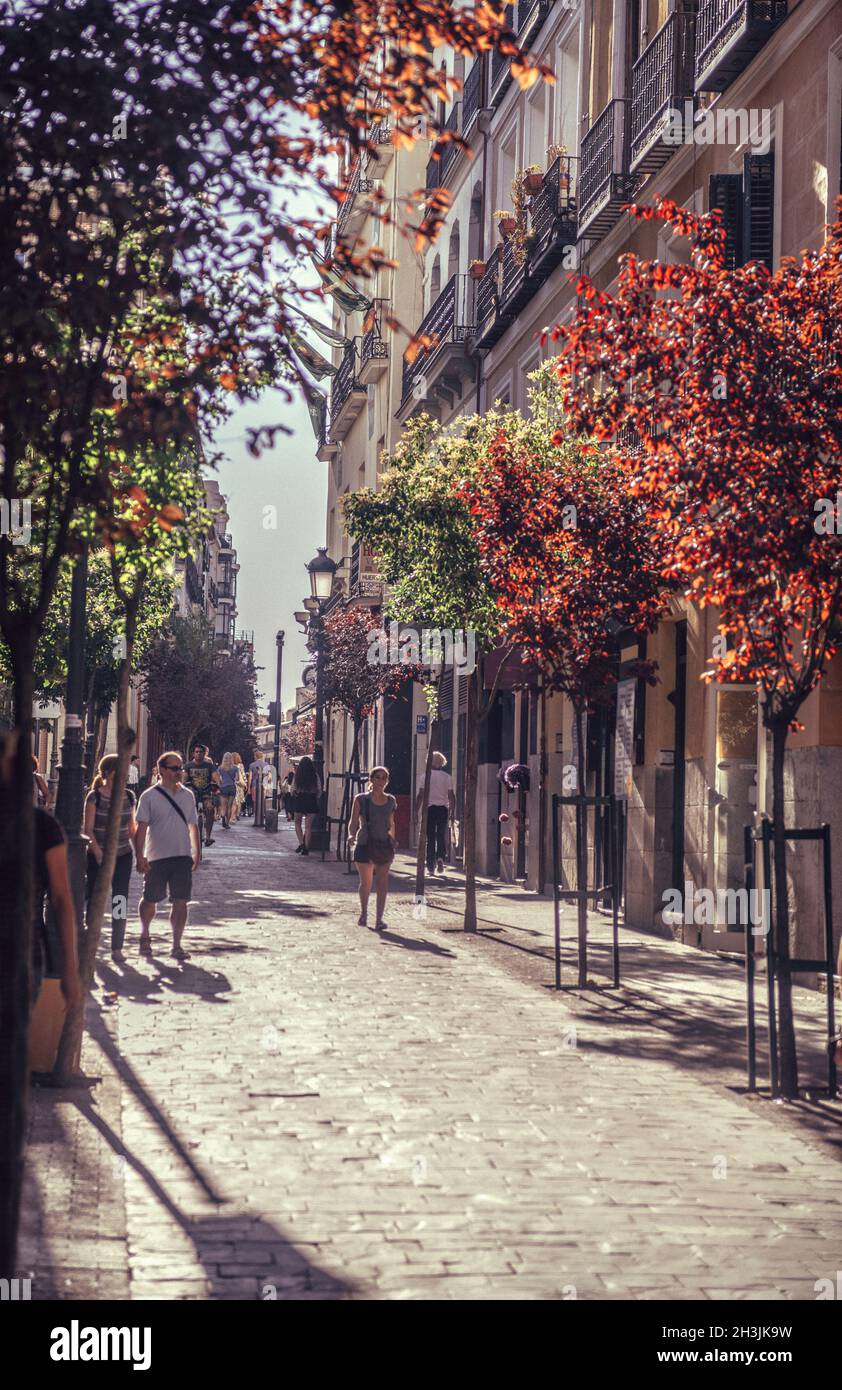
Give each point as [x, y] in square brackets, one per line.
[279, 640]
[321, 570]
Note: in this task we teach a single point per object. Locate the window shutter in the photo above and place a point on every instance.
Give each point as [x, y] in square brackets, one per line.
[726, 193]
[446, 695]
[758, 207]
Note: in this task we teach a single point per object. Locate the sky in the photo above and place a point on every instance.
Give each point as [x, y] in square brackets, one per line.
[272, 581]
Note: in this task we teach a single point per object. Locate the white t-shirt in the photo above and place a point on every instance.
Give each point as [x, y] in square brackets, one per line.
[134, 775]
[167, 837]
[441, 783]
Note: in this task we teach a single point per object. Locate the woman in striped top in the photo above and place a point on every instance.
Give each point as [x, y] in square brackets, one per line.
[97, 803]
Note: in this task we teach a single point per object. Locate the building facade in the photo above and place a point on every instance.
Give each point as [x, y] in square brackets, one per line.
[755, 91]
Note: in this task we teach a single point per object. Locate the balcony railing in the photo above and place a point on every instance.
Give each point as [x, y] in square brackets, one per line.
[356, 184]
[662, 80]
[374, 352]
[512, 278]
[553, 211]
[530, 16]
[472, 94]
[449, 321]
[501, 74]
[347, 398]
[728, 35]
[604, 183]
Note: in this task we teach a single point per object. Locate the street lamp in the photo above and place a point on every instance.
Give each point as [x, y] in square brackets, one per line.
[279, 640]
[321, 570]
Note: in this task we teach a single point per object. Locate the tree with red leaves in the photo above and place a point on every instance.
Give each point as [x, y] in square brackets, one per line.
[731, 379]
[355, 679]
[301, 738]
[569, 553]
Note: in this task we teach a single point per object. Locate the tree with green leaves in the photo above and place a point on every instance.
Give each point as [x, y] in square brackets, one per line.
[420, 529]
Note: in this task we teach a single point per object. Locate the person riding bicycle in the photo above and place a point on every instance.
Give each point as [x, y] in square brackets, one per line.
[202, 777]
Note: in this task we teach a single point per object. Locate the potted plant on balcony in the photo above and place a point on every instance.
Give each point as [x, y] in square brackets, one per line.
[506, 222]
[532, 178]
[520, 238]
[476, 269]
[555, 152]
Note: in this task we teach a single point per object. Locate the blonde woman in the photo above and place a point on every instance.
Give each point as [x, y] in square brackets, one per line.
[239, 795]
[372, 830]
[227, 788]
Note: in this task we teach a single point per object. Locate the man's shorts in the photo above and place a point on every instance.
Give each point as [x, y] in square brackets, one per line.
[174, 875]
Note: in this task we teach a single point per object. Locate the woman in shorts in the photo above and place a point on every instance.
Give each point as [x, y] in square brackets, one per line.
[372, 830]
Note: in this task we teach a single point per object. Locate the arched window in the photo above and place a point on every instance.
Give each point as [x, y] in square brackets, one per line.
[453, 250]
[475, 225]
[435, 280]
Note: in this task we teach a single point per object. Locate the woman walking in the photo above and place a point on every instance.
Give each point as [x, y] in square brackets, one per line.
[240, 794]
[372, 829]
[227, 787]
[305, 800]
[97, 803]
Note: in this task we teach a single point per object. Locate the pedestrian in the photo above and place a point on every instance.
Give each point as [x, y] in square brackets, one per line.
[133, 778]
[441, 807]
[168, 850]
[256, 780]
[372, 832]
[240, 793]
[201, 777]
[51, 879]
[227, 788]
[97, 804]
[40, 788]
[286, 793]
[305, 800]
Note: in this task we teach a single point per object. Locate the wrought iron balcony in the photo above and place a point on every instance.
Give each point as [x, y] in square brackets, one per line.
[472, 94]
[662, 80]
[353, 209]
[604, 181]
[326, 447]
[553, 215]
[728, 35]
[501, 74]
[512, 278]
[374, 355]
[347, 395]
[530, 17]
[439, 368]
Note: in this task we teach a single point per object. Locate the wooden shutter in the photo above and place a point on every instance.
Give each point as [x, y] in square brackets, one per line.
[725, 192]
[758, 207]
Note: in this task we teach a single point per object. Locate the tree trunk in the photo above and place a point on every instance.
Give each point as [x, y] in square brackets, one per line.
[581, 850]
[68, 1060]
[470, 806]
[16, 916]
[786, 1024]
[542, 793]
[421, 857]
[347, 793]
[101, 738]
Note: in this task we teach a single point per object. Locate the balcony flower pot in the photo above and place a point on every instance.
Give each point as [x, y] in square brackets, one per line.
[532, 181]
[507, 225]
[477, 269]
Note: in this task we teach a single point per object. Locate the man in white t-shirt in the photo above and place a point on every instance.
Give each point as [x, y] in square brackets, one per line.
[134, 772]
[441, 807]
[167, 848]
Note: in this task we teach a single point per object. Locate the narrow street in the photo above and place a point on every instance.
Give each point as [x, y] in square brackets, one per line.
[308, 1109]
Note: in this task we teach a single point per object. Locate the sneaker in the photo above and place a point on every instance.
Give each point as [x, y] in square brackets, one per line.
[299, 849]
[439, 866]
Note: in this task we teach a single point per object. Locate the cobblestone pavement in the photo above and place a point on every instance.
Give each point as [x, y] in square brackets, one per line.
[307, 1109]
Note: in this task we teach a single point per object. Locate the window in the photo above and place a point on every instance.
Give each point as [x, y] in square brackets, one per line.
[746, 202]
[453, 251]
[435, 280]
